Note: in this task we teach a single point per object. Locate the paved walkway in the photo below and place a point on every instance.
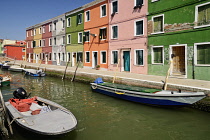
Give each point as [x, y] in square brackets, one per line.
[180, 82]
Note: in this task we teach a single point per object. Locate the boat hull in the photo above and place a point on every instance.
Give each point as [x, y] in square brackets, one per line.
[149, 98]
[56, 122]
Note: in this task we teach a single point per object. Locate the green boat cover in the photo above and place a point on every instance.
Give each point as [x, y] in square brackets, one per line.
[130, 88]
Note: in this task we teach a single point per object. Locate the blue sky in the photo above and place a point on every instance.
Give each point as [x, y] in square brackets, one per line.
[17, 15]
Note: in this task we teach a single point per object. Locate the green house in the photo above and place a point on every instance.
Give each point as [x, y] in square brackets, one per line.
[179, 34]
[74, 36]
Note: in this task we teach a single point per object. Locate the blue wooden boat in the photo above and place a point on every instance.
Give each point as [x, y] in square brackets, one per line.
[34, 73]
[146, 95]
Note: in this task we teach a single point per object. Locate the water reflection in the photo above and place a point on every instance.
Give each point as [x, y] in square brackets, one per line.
[102, 117]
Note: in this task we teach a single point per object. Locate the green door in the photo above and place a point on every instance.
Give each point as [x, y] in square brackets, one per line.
[126, 57]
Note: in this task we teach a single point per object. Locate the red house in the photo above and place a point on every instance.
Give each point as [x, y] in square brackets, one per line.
[15, 51]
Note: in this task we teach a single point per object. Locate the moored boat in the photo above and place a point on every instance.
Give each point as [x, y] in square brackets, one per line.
[5, 80]
[34, 73]
[40, 115]
[147, 95]
[15, 68]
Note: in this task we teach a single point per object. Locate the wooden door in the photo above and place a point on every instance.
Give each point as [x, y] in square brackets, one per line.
[179, 60]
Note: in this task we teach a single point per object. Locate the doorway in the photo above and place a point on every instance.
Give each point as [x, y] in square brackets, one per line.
[95, 59]
[126, 60]
[179, 60]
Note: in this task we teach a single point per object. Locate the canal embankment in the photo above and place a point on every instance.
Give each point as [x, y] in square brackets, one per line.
[88, 75]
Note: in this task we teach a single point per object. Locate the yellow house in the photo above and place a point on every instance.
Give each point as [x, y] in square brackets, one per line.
[38, 44]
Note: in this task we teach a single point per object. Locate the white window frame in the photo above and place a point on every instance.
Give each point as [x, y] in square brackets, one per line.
[43, 42]
[196, 15]
[195, 53]
[68, 39]
[102, 57]
[81, 18]
[50, 41]
[27, 43]
[135, 27]
[113, 32]
[106, 33]
[50, 27]
[43, 29]
[40, 30]
[55, 40]
[23, 50]
[112, 6]
[54, 26]
[40, 43]
[101, 10]
[112, 57]
[135, 56]
[32, 33]
[68, 56]
[86, 20]
[27, 33]
[63, 40]
[86, 57]
[68, 22]
[152, 56]
[31, 44]
[153, 24]
[79, 37]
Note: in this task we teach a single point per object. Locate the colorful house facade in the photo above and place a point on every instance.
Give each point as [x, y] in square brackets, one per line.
[29, 44]
[178, 31]
[128, 36]
[96, 34]
[74, 36]
[58, 40]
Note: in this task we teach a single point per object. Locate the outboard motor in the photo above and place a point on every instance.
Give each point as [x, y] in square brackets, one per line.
[20, 93]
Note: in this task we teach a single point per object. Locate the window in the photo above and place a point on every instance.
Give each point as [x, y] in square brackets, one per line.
[40, 43]
[87, 36]
[79, 18]
[114, 32]
[202, 16]
[50, 42]
[34, 44]
[27, 33]
[63, 40]
[40, 30]
[139, 54]
[103, 10]
[68, 56]
[50, 27]
[103, 34]
[31, 32]
[80, 37]
[79, 56]
[68, 22]
[158, 24]
[23, 50]
[68, 39]
[114, 57]
[138, 2]
[54, 25]
[50, 58]
[55, 41]
[63, 21]
[103, 57]
[63, 58]
[87, 16]
[139, 29]
[43, 42]
[157, 54]
[43, 29]
[34, 31]
[87, 57]
[203, 51]
[54, 56]
[114, 6]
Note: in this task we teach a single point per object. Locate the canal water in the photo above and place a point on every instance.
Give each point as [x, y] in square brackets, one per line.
[102, 117]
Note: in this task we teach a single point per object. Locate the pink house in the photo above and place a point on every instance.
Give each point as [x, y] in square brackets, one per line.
[128, 36]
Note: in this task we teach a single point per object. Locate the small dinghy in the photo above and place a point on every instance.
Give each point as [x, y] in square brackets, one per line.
[40, 115]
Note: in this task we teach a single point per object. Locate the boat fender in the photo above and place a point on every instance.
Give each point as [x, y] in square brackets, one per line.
[1, 78]
[172, 92]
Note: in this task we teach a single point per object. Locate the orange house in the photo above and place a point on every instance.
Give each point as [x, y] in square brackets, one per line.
[96, 34]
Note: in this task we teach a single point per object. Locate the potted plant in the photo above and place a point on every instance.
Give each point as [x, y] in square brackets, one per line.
[97, 67]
